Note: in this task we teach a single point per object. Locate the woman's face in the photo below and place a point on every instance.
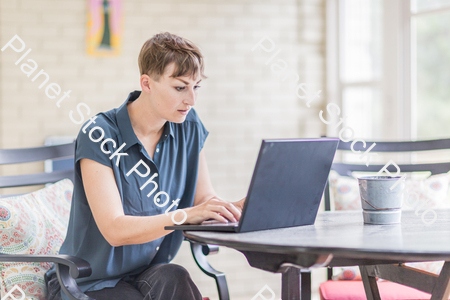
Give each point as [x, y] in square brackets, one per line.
[172, 98]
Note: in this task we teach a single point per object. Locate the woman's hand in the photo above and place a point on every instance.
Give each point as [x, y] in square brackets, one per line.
[240, 204]
[214, 208]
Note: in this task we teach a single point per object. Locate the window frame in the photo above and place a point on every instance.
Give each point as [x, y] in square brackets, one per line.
[398, 71]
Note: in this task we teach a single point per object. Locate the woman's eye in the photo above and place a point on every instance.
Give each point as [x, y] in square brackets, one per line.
[180, 88]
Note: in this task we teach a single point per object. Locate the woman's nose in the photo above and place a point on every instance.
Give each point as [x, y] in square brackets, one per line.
[191, 97]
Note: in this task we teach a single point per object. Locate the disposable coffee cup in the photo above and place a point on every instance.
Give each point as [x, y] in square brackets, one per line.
[381, 198]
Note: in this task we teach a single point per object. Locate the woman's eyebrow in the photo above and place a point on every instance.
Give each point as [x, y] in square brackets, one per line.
[187, 83]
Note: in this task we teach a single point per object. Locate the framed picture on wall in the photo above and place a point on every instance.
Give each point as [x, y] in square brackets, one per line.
[104, 28]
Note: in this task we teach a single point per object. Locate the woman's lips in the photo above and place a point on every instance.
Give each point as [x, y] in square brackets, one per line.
[183, 112]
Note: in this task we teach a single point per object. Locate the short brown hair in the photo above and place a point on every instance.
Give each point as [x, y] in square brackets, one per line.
[163, 49]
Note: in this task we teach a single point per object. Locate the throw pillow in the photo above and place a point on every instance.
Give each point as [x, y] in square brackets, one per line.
[431, 192]
[34, 223]
[346, 273]
[344, 192]
[429, 266]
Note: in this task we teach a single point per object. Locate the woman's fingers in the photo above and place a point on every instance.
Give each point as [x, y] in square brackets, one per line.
[224, 212]
[240, 204]
[214, 208]
[234, 210]
[218, 217]
[230, 207]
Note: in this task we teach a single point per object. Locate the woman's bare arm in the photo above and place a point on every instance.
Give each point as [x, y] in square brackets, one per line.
[106, 206]
[120, 229]
[206, 196]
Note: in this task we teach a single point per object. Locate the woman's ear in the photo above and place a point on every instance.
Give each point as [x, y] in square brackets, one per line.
[145, 83]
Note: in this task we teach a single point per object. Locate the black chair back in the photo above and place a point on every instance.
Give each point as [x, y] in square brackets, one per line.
[26, 155]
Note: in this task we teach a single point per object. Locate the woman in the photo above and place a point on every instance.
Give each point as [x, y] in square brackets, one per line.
[136, 168]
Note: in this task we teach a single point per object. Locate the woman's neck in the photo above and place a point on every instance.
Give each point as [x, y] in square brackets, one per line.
[144, 120]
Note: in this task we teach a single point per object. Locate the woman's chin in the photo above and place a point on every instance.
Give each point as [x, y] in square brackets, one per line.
[178, 119]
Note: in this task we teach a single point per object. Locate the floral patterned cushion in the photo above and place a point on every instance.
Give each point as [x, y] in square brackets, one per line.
[346, 273]
[432, 191]
[344, 192]
[429, 266]
[34, 223]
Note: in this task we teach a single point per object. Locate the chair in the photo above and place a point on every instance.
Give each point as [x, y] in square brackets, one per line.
[68, 268]
[340, 289]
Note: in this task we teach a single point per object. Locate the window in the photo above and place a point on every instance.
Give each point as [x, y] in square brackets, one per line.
[357, 54]
[388, 67]
[430, 32]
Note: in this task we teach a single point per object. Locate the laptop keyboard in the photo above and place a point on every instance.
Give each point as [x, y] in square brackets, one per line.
[218, 223]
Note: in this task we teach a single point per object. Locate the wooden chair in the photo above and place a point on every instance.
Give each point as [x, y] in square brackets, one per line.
[345, 169]
[68, 268]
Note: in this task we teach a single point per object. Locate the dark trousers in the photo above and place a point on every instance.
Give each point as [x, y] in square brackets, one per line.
[159, 282]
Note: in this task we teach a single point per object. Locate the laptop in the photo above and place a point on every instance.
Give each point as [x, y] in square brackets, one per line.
[286, 187]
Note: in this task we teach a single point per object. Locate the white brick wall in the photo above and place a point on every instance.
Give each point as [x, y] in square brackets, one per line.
[240, 103]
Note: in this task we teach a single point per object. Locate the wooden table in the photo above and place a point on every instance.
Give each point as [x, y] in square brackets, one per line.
[342, 239]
